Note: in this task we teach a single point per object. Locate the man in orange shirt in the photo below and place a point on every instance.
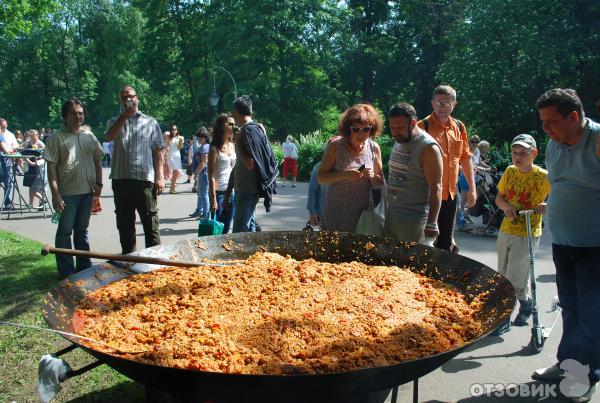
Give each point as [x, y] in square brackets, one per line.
[451, 135]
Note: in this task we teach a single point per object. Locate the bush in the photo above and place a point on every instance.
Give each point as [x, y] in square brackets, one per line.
[310, 152]
[385, 143]
[278, 153]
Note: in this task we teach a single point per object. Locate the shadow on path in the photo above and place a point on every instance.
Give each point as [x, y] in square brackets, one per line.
[471, 362]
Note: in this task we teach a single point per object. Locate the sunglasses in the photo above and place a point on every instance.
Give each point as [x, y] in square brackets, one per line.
[367, 129]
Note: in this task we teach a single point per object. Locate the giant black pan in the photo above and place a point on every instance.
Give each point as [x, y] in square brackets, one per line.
[471, 277]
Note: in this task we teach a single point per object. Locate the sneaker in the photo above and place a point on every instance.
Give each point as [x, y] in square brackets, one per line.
[525, 310]
[504, 328]
[193, 190]
[283, 185]
[550, 374]
[187, 181]
[294, 186]
[586, 397]
[194, 214]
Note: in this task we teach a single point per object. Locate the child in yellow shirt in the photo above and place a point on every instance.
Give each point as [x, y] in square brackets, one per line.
[524, 186]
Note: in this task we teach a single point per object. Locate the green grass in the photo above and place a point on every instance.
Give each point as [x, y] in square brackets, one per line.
[25, 276]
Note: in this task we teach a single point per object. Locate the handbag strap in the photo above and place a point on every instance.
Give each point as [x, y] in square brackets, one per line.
[371, 201]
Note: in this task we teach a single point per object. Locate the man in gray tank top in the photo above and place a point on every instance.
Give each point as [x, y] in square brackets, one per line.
[414, 189]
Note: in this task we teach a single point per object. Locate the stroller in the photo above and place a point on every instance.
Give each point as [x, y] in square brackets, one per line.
[485, 205]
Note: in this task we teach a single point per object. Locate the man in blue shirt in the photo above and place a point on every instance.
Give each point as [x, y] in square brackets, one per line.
[573, 216]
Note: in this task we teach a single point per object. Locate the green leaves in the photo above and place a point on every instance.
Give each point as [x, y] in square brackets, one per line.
[18, 17]
[301, 61]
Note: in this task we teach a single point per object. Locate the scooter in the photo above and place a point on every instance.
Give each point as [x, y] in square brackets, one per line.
[539, 333]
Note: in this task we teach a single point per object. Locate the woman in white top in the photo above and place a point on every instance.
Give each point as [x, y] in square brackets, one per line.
[290, 160]
[173, 144]
[221, 159]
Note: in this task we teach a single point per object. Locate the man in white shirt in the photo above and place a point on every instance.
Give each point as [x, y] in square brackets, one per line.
[12, 144]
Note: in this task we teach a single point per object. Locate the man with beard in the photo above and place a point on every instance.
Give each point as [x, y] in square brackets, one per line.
[414, 191]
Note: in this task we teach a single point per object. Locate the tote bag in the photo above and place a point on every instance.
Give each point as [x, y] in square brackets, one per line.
[372, 221]
[210, 226]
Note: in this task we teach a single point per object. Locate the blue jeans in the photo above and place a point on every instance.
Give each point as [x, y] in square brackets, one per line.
[245, 206]
[74, 219]
[460, 216]
[578, 283]
[202, 205]
[225, 216]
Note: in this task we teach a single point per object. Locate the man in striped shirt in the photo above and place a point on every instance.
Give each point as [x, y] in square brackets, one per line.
[136, 170]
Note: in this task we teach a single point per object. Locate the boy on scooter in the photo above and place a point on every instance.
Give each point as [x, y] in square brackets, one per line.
[524, 186]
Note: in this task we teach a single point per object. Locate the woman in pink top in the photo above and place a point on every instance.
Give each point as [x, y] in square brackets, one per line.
[351, 167]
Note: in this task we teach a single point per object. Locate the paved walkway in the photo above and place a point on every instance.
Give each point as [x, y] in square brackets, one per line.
[493, 360]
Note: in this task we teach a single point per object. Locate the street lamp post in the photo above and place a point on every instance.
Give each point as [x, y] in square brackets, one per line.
[214, 97]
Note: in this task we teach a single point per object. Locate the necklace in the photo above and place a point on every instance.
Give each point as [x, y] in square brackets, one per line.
[355, 148]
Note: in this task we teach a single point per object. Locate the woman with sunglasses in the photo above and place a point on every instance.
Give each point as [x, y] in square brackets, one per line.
[221, 159]
[173, 144]
[351, 167]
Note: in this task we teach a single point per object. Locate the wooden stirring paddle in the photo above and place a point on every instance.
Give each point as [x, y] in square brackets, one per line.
[128, 258]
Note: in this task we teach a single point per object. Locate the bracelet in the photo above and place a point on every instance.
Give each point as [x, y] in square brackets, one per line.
[432, 225]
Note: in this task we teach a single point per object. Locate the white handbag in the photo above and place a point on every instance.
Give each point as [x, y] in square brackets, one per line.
[372, 220]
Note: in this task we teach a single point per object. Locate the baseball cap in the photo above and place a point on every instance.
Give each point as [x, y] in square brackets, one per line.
[524, 140]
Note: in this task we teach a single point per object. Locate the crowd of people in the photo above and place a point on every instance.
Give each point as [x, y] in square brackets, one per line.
[31, 168]
[432, 176]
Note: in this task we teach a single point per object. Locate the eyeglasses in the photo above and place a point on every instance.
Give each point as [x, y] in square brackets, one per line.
[520, 153]
[443, 104]
[367, 129]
